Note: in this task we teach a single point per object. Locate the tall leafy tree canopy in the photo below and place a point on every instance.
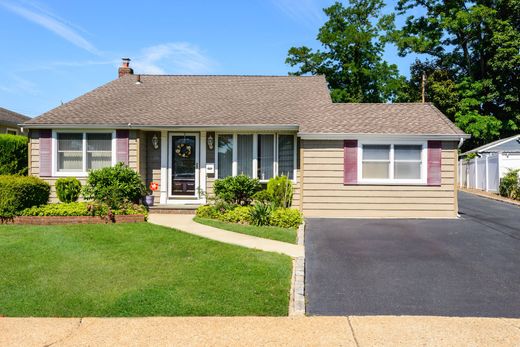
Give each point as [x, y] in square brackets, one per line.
[469, 50]
[351, 58]
[472, 64]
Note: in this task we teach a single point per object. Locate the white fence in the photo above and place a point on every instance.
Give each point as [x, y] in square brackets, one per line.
[480, 173]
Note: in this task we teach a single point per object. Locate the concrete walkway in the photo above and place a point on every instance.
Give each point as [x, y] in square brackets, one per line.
[260, 331]
[186, 224]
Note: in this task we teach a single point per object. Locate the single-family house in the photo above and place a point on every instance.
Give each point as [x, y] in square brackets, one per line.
[184, 132]
[484, 166]
[10, 122]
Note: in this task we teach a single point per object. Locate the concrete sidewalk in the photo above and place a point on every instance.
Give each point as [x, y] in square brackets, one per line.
[185, 223]
[260, 331]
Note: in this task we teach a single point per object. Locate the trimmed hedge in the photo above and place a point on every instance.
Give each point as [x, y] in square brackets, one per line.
[68, 189]
[13, 155]
[20, 192]
[237, 190]
[80, 209]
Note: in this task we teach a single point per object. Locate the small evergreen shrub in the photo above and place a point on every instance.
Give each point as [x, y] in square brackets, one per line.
[286, 218]
[280, 191]
[206, 211]
[509, 185]
[20, 192]
[114, 186]
[240, 214]
[68, 189]
[261, 214]
[237, 190]
[13, 155]
[263, 196]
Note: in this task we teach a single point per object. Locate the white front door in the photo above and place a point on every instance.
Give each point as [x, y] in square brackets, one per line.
[183, 167]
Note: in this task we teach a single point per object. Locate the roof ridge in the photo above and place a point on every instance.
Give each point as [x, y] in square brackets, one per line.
[224, 75]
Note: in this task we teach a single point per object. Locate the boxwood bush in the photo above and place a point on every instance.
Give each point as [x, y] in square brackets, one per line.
[114, 186]
[13, 155]
[20, 192]
[286, 218]
[237, 190]
[68, 189]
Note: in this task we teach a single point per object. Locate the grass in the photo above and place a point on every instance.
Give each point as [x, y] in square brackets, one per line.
[267, 232]
[135, 270]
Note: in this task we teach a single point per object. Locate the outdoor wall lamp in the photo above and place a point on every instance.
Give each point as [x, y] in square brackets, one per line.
[210, 142]
[155, 141]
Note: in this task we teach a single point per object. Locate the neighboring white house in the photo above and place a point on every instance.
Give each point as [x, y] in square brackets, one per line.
[490, 165]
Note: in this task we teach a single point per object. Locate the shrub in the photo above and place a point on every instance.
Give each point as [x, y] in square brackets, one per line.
[241, 214]
[263, 196]
[20, 192]
[13, 155]
[206, 211]
[68, 189]
[237, 190]
[114, 186]
[509, 185]
[80, 209]
[261, 214]
[286, 218]
[280, 191]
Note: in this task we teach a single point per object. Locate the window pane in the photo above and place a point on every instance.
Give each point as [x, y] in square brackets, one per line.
[98, 160]
[245, 155]
[99, 142]
[70, 142]
[225, 155]
[376, 152]
[375, 170]
[286, 155]
[265, 156]
[407, 152]
[407, 170]
[70, 161]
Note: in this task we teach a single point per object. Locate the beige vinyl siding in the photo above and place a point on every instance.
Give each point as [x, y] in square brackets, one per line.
[325, 195]
[133, 150]
[34, 153]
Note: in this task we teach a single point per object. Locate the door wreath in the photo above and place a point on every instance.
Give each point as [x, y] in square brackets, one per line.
[183, 150]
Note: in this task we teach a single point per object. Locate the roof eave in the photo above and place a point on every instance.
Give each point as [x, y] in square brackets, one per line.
[345, 136]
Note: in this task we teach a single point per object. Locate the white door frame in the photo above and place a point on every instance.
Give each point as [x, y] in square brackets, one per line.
[184, 199]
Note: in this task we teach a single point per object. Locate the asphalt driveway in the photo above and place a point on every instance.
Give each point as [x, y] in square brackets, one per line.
[464, 267]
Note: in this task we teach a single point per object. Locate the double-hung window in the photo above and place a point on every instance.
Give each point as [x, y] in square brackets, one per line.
[392, 163]
[78, 152]
[261, 156]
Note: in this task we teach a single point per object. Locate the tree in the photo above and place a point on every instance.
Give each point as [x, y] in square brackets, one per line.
[351, 59]
[473, 65]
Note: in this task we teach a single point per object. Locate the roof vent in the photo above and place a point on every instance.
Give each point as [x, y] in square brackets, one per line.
[138, 81]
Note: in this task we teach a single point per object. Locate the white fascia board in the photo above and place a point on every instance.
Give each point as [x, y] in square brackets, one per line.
[346, 136]
[229, 127]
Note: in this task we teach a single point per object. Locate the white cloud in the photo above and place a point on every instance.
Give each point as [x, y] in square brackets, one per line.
[308, 12]
[173, 58]
[52, 23]
[18, 84]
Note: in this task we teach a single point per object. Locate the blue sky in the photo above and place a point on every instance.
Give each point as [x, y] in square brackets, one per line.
[54, 51]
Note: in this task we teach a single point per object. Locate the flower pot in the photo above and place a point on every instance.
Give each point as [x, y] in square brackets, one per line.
[148, 200]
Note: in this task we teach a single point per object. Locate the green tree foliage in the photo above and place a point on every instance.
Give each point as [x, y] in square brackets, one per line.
[13, 155]
[472, 64]
[351, 58]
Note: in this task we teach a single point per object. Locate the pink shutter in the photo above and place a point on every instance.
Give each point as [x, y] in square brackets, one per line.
[434, 163]
[350, 154]
[45, 153]
[122, 146]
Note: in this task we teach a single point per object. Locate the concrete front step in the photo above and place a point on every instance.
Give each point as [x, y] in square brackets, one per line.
[174, 209]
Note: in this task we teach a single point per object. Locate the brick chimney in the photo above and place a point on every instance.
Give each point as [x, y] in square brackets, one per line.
[125, 68]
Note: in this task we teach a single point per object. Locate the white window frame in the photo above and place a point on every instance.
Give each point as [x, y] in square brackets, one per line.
[7, 130]
[255, 152]
[84, 171]
[391, 180]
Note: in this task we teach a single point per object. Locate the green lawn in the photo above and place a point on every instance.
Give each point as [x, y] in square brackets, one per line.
[267, 232]
[135, 270]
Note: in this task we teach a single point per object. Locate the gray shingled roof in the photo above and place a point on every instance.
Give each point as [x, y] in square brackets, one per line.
[11, 118]
[166, 100]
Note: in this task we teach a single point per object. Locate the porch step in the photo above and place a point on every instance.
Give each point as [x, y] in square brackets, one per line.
[174, 209]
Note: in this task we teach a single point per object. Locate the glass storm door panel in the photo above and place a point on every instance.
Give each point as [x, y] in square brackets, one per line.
[183, 165]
